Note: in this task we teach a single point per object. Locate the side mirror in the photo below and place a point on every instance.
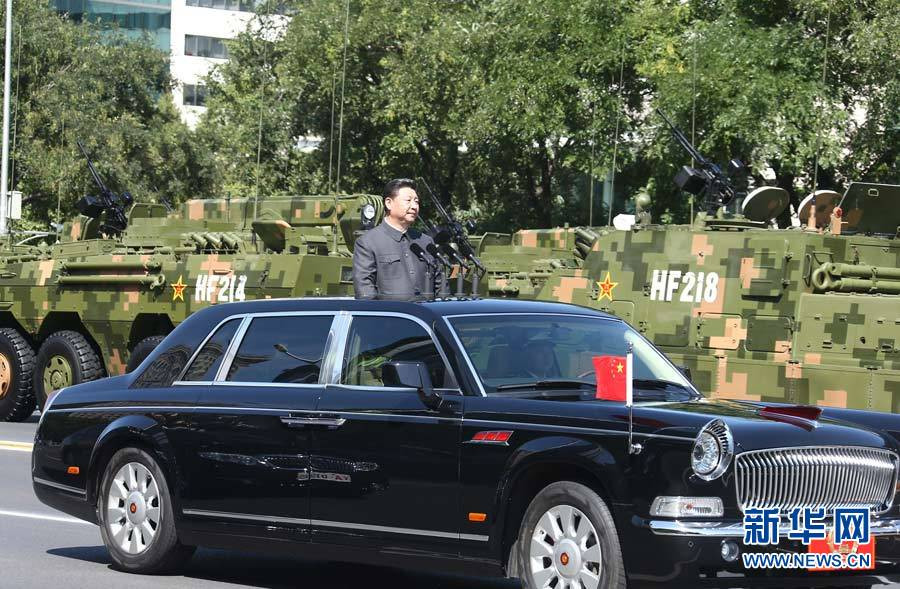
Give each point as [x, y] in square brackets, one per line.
[685, 371]
[412, 375]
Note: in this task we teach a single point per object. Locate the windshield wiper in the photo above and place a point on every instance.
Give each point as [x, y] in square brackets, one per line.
[652, 383]
[546, 384]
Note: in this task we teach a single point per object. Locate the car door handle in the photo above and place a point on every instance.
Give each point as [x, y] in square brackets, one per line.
[332, 422]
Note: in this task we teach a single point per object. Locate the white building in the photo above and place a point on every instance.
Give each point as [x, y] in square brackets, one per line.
[193, 31]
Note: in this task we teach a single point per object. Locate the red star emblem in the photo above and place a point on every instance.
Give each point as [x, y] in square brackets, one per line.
[178, 289]
[606, 288]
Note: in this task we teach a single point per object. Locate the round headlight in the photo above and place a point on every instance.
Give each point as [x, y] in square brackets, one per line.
[713, 450]
[368, 212]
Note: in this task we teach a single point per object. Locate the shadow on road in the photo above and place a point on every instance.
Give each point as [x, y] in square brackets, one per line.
[255, 570]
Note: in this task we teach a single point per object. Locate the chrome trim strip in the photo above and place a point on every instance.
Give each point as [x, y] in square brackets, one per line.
[732, 529]
[246, 517]
[331, 524]
[393, 530]
[60, 486]
[231, 352]
[568, 428]
[334, 353]
[211, 333]
[277, 385]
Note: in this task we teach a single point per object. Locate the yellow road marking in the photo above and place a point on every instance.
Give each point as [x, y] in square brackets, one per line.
[18, 446]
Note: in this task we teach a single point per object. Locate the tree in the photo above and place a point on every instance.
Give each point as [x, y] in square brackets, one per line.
[73, 81]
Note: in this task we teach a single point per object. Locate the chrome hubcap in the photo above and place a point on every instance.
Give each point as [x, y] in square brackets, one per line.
[565, 550]
[132, 508]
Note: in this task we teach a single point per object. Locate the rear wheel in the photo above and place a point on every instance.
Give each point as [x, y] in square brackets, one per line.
[142, 350]
[65, 358]
[568, 540]
[136, 517]
[16, 368]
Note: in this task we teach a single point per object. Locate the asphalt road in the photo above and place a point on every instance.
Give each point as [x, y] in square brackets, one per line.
[40, 547]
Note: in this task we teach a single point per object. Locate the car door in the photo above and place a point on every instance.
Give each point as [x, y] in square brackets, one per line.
[387, 472]
[250, 462]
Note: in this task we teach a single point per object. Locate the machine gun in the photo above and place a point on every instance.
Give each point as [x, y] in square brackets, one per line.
[107, 201]
[708, 180]
[451, 233]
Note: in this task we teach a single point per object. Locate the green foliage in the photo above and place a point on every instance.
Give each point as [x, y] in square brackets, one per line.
[506, 107]
[74, 82]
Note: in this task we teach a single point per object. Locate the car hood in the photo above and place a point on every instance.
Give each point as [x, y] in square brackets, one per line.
[753, 427]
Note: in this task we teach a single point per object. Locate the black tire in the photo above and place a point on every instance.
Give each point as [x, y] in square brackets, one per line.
[571, 494]
[142, 350]
[16, 397]
[83, 362]
[163, 552]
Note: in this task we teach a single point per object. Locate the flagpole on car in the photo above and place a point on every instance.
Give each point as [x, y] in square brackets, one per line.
[629, 400]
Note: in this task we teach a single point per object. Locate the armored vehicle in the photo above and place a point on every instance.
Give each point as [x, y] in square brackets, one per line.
[755, 313]
[103, 296]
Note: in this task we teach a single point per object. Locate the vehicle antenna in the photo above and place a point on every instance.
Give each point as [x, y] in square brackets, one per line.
[693, 116]
[821, 115]
[591, 185]
[343, 81]
[331, 128]
[262, 97]
[612, 183]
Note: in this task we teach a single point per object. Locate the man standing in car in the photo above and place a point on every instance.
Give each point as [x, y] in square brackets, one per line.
[391, 260]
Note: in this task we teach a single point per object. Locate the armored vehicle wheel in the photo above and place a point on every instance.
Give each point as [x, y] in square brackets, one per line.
[65, 358]
[16, 367]
[137, 521]
[568, 540]
[142, 350]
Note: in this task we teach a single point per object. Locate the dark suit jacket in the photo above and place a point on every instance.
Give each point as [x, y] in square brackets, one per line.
[384, 266]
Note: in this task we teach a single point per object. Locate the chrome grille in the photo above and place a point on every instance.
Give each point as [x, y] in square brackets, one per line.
[819, 476]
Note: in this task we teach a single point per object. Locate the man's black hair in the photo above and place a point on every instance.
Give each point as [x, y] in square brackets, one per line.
[393, 187]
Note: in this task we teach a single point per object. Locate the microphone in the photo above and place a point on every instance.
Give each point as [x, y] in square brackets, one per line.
[417, 251]
[433, 250]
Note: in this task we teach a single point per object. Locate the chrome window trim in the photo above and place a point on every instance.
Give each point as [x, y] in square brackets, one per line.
[238, 339]
[318, 523]
[335, 359]
[477, 376]
[398, 315]
[212, 332]
[60, 486]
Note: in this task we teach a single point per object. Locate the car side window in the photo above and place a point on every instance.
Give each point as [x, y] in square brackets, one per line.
[374, 341]
[208, 360]
[283, 349]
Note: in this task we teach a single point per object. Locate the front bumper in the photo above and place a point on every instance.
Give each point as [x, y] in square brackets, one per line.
[732, 529]
[673, 553]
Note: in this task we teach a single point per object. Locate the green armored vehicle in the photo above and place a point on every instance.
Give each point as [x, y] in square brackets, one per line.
[783, 315]
[103, 296]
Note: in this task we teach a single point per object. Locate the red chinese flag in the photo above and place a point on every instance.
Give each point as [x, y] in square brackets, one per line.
[612, 377]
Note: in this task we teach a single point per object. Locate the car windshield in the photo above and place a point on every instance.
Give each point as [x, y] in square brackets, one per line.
[514, 353]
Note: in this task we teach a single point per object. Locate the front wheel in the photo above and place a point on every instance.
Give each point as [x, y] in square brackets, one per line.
[568, 540]
[136, 516]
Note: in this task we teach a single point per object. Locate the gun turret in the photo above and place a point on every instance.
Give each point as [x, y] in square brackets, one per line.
[707, 180]
[107, 201]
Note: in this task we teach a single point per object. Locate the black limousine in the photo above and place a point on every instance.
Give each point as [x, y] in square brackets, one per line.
[461, 435]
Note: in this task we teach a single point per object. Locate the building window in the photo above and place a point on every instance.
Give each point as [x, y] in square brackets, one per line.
[275, 6]
[194, 95]
[205, 46]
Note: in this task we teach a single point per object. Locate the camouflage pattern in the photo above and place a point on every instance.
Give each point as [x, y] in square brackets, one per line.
[756, 313]
[117, 292]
